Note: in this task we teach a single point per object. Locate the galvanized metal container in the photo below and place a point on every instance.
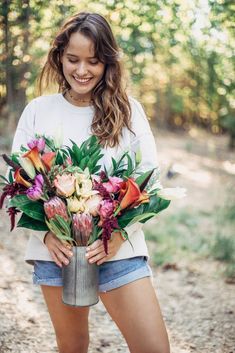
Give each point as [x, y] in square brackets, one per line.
[80, 280]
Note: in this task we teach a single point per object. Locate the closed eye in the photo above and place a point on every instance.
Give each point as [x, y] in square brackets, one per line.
[91, 62]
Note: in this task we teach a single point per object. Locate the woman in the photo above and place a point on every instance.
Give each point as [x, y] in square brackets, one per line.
[84, 60]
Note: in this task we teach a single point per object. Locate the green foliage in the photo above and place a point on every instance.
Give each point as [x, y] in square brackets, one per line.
[33, 209]
[87, 155]
[178, 235]
[30, 223]
[61, 228]
[180, 65]
[224, 248]
[153, 207]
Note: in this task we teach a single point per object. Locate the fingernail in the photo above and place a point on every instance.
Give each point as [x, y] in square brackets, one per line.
[66, 262]
[87, 255]
[87, 249]
[70, 254]
[91, 261]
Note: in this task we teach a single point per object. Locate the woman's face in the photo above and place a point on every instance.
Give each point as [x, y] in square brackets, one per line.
[81, 68]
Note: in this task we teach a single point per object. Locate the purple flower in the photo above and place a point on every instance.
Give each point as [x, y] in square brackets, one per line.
[113, 184]
[39, 181]
[106, 208]
[34, 193]
[39, 143]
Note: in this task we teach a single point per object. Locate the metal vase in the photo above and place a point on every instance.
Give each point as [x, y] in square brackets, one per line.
[80, 280]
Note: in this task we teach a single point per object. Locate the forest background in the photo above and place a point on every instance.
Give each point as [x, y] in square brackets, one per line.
[179, 60]
[178, 55]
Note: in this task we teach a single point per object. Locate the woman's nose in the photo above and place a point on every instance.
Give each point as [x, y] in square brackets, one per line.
[81, 69]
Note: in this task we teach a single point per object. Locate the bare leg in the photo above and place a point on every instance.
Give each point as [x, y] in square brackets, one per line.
[134, 308]
[70, 323]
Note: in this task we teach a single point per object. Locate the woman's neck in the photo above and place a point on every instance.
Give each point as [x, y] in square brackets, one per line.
[78, 102]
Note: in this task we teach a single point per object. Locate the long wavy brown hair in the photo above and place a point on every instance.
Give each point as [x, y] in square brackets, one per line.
[111, 104]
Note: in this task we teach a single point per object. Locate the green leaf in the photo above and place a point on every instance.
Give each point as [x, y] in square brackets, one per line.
[64, 224]
[83, 162]
[30, 223]
[142, 217]
[77, 154]
[114, 163]
[96, 169]
[143, 177]
[128, 215]
[49, 142]
[33, 209]
[10, 176]
[4, 178]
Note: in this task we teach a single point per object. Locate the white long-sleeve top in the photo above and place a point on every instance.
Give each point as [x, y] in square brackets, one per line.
[48, 114]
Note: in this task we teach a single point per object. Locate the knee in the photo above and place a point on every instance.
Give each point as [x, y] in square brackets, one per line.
[77, 345]
[164, 349]
[157, 348]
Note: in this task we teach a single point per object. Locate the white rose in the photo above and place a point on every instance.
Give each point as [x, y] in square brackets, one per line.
[172, 193]
[92, 204]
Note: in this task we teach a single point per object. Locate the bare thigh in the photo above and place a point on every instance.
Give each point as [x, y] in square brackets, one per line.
[70, 323]
[135, 309]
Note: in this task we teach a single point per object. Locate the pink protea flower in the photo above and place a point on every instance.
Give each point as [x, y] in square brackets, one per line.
[55, 206]
[39, 143]
[113, 185]
[82, 226]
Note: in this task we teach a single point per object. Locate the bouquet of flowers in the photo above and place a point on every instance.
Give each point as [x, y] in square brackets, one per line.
[63, 189]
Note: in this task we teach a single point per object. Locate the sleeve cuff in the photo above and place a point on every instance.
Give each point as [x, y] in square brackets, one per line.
[40, 236]
[133, 228]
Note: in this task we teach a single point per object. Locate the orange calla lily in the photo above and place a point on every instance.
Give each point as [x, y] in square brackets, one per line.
[144, 198]
[35, 158]
[129, 193]
[20, 180]
[48, 159]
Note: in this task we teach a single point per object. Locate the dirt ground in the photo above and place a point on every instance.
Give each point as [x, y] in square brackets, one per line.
[197, 304]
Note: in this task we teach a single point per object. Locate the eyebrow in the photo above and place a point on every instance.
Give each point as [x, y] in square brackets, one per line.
[75, 56]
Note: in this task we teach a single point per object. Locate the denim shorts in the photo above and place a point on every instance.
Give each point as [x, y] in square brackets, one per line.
[112, 274]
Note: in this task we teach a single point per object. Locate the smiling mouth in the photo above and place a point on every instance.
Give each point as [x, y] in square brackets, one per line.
[82, 80]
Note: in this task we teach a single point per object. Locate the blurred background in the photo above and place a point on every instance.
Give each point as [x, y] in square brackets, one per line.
[179, 60]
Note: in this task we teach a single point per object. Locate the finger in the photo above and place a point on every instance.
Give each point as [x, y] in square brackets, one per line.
[94, 245]
[97, 257]
[64, 249]
[104, 259]
[94, 252]
[60, 256]
[55, 259]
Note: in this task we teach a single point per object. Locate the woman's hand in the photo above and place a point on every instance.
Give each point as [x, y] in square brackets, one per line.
[60, 251]
[96, 253]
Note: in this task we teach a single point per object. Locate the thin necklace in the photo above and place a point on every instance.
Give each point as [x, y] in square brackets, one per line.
[79, 99]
